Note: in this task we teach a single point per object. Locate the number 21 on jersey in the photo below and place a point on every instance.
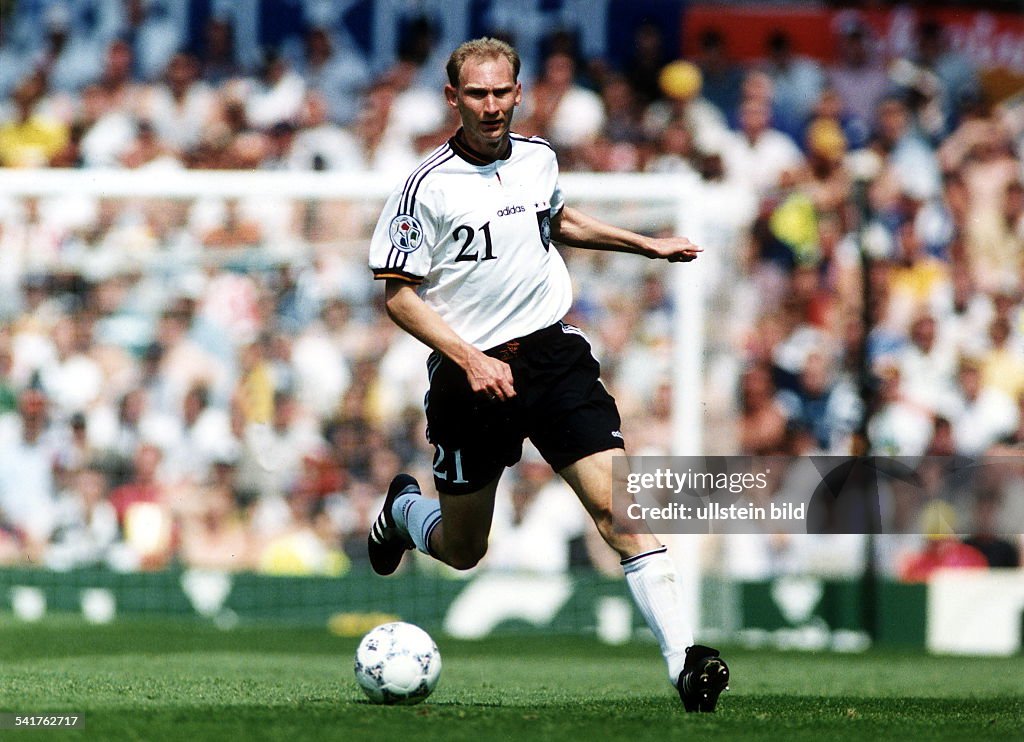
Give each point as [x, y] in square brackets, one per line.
[469, 251]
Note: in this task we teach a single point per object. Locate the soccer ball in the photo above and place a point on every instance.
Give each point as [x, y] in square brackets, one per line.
[397, 663]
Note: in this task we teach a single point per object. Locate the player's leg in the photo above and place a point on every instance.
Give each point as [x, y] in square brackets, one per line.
[591, 480]
[650, 574]
[453, 528]
[473, 443]
[575, 424]
[460, 538]
[697, 671]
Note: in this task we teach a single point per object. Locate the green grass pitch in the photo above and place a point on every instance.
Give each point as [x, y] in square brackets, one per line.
[141, 680]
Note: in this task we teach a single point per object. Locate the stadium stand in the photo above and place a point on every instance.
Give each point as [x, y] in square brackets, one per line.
[140, 406]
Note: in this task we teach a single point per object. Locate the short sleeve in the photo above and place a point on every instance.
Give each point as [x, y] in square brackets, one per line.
[557, 199]
[402, 242]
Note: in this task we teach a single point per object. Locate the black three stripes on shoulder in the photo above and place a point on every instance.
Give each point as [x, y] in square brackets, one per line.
[396, 258]
[412, 184]
[532, 140]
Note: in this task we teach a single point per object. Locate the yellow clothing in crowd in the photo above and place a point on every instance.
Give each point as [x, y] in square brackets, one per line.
[31, 143]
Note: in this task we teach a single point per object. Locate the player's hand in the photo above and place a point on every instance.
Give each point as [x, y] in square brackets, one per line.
[489, 377]
[674, 250]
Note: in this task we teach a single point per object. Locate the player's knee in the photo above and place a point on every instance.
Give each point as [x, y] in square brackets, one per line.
[464, 561]
[467, 557]
[631, 544]
[616, 534]
[604, 519]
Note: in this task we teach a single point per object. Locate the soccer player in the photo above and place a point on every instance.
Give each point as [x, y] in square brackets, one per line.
[464, 246]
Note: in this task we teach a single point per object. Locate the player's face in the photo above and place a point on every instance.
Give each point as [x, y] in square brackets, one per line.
[485, 99]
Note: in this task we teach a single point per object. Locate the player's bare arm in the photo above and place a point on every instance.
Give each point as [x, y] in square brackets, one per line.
[574, 228]
[487, 376]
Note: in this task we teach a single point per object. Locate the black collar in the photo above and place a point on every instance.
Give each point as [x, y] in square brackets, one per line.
[463, 150]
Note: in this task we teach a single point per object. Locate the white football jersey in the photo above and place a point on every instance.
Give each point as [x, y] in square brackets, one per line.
[475, 238]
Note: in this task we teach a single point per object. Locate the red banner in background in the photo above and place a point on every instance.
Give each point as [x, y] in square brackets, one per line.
[993, 41]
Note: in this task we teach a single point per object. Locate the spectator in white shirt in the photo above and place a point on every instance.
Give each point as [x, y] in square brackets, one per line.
[109, 130]
[27, 487]
[983, 416]
[758, 155]
[908, 156]
[182, 106]
[566, 113]
[86, 522]
[320, 144]
[899, 427]
[930, 360]
[278, 95]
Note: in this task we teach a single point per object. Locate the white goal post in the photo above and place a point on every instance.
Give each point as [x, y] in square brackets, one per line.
[656, 201]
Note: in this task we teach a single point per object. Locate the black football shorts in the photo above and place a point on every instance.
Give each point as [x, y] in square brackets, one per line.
[560, 405]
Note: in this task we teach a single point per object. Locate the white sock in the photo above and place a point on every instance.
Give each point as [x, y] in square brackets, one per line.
[418, 517]
[653, 582]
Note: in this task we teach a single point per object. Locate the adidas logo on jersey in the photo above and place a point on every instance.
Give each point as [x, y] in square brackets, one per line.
[509, 210]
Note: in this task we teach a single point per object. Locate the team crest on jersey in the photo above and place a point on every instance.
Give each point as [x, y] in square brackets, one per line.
[406, 233]
[544, 225]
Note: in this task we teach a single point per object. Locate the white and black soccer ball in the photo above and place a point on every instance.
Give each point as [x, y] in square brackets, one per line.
[397, 663]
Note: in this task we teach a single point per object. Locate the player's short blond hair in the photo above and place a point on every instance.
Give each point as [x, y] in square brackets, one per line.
[485, 47]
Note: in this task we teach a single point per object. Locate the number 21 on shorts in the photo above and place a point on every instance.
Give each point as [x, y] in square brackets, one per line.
[449, 463]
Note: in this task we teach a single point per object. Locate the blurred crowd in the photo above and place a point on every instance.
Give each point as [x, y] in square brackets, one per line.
[220, 407]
